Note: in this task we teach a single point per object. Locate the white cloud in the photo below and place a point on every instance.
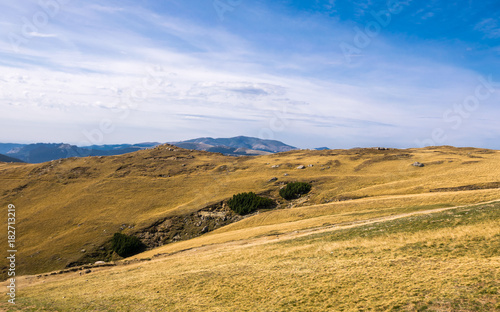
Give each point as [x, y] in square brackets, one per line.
[40, 35]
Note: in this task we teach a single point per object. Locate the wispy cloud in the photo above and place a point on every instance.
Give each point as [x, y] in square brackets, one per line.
[490, 27]
[107, 9]
[40, 35]
[237, 77]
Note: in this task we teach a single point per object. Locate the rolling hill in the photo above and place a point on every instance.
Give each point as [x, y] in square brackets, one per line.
[442, 261]
[4, 158]
[71, 208]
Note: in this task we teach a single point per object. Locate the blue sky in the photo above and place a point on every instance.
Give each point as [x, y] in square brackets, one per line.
[310, 73]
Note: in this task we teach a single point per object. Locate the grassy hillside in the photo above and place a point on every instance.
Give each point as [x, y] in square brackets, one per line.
[70, 207]
[443, 261]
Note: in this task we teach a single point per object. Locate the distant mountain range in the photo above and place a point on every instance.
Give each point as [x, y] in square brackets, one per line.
[42, 152]
[237, 146]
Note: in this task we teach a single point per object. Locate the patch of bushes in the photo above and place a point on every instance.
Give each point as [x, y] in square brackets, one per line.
[295, 190]
[126, 245]
[245, 203]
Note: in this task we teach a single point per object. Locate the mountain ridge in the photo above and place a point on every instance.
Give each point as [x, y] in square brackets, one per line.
[235, 146]
[43, 152]
[4, 158]
[273, 146]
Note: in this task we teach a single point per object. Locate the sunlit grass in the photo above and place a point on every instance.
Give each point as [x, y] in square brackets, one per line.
[445, 261]
[64, 209]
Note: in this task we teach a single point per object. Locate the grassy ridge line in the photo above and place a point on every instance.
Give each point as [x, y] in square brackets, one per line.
[445, 261]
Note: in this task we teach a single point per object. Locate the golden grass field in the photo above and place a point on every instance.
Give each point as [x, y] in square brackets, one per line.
[445, 261]
[323, 252]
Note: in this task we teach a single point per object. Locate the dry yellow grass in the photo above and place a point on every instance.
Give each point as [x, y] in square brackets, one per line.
[312, 217]
[74, 204]
[447, 261]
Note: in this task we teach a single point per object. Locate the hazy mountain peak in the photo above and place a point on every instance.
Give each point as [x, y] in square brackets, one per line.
[238, 142]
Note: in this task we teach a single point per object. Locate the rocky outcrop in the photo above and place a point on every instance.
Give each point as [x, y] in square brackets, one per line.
[169, 230]
[185, 227]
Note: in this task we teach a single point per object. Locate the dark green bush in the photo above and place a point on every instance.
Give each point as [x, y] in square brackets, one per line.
[126, 245]
[244, 203]
[294, 190]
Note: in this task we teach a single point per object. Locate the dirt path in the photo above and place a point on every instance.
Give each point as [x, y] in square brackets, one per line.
[301, 233]
[31, 280]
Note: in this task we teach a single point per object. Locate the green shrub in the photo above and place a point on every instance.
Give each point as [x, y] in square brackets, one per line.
[294, 190]
[244, 203]
[126, 245]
